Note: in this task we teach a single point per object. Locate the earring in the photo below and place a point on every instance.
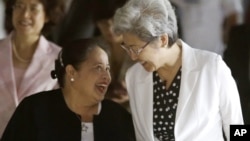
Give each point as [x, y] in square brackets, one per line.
[72, 79]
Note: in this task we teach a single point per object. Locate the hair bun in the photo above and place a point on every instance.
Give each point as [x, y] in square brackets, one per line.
[53, 74]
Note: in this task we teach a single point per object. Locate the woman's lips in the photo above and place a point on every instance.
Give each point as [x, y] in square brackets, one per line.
[102, 87]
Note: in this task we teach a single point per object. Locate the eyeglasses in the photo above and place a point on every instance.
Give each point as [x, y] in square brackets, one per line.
[131, 50]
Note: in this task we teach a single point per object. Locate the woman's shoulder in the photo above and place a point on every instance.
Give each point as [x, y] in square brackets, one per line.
[52, 47]
[43, 96]
[5, 41]
[55, 46]
[205, 57]
[205, 54]
[200, 56]
[4, 47]
[206, 60]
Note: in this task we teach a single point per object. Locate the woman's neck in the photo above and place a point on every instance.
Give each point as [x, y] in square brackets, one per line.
[80, 104]
[23, 49]
[174, 55]
[24, 42]
[169, 69]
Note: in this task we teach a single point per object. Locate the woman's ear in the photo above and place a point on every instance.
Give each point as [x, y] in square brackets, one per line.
[164, 40]
[70, 71]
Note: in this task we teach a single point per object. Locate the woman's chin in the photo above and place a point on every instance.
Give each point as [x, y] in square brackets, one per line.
[149, 68]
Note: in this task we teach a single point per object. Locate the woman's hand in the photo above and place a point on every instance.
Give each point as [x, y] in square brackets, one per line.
[117, 92]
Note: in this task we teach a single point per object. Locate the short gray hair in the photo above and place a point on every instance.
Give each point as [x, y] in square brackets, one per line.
[147, 19]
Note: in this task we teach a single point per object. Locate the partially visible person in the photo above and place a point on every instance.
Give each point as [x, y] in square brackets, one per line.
[2, 29]
[77, 111]
[238, 50]
[206, 23]
[237, 57]
[176, 92]
[76, 23]
[119, 60]
[247, 13]
[26, 56]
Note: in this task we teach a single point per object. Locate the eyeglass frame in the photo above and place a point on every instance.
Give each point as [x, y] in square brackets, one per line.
[138, 51]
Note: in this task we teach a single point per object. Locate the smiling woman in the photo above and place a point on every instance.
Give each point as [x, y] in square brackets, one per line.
[83, 67]
[77, 111]
[172, 83]
[26, 56]
[52, 10]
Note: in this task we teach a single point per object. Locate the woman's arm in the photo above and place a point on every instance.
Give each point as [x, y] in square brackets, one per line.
[20, 126]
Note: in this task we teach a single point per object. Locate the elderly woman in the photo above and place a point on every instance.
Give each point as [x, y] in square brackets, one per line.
[176, 92]
[77, 111]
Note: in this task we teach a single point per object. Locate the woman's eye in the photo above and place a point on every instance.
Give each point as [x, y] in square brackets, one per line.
[108, 69]
[34, 8]
[99, 68]
[102, 68]
[18, 6]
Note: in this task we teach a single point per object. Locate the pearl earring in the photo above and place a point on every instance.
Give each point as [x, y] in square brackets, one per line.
[72, 79]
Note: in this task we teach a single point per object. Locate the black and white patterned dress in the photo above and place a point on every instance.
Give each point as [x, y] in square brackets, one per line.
[165, 105]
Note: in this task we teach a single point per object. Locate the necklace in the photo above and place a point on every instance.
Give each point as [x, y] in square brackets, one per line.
[83, 125]
[18, 57]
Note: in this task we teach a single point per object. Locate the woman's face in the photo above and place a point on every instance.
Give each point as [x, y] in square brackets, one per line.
[93, 77]
[148, 53]
[28, 17]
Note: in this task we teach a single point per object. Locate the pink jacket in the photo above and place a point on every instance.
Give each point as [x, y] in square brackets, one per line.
[36, 78]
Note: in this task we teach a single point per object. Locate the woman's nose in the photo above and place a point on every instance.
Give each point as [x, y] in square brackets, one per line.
[107, 76]
[133, 56]
[26, 12]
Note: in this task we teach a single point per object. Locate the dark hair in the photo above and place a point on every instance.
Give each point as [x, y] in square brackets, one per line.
[54, 10]
[73, 53]
[105, 9]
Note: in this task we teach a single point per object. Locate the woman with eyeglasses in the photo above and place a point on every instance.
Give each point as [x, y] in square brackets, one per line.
[176, 92]
[26, 56]
[77, 111]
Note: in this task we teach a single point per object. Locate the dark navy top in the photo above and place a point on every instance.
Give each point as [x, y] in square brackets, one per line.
[165, 105]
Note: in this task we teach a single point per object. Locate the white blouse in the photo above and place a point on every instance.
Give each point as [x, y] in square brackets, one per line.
[87, 131]
[88, 128]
